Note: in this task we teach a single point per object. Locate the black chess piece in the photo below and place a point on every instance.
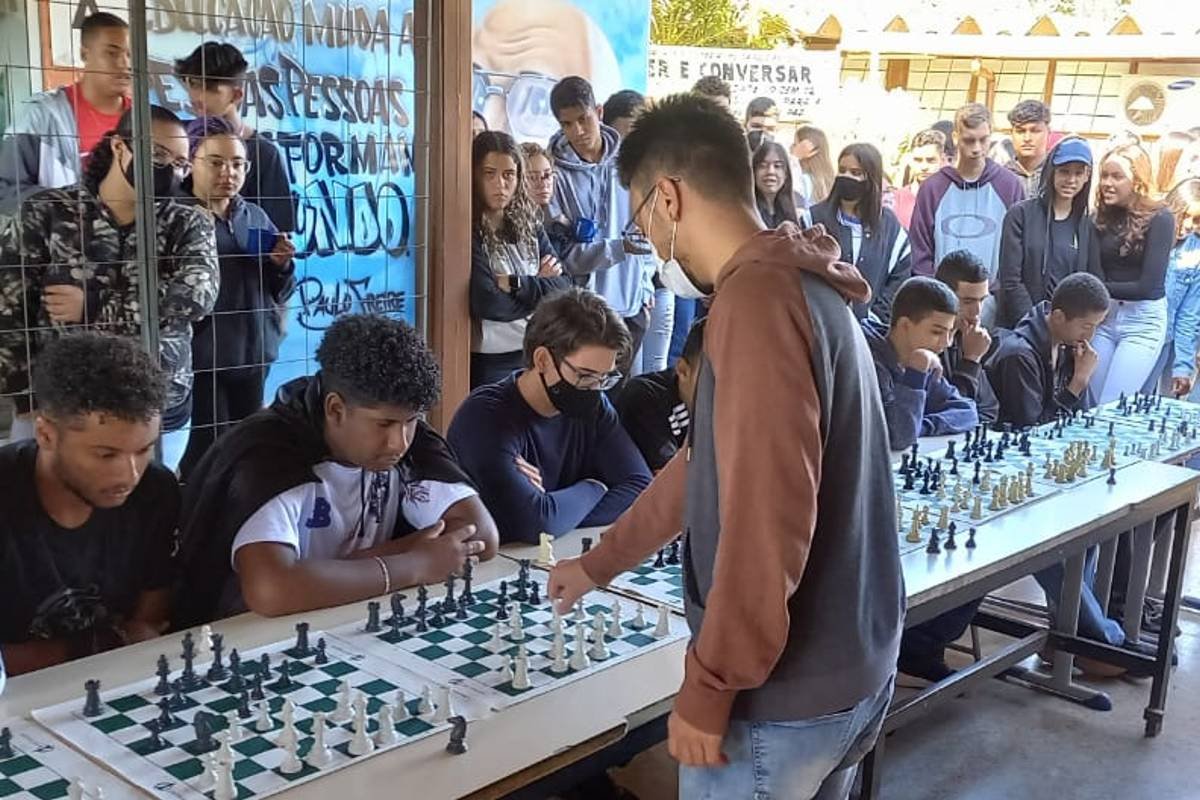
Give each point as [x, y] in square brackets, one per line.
[448, 601]
[256, 686]
[178, 700]
[163, 671]
[503, 601]
[909, 481]
[285, 677]
[468, 576]
[302, 648]
[217, 671]
[949, 450]
[322, 657]
[396, 602]
[422, 625]
[461, 612]
[585, 545]
[954, 467]
[916, 450]
[978, 468]
[156, 741]
[535, 597]
[933, 549]
[91, 700]
[165, 719]
[244, 710]
[521, 595]
[458, 736]
[189, 677]
[660, 560]
[971, 539]
[236, 680]
[673, 553]
[422, 597]
[950, 544]
[437, 620]
[202, 726]
[373, 625]
[396, 626]
[6, 750]
[925, 484]
[1112, 477]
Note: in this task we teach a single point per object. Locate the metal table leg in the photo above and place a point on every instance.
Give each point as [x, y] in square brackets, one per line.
[1139, 572]
[1164, 532]
[1181, 543]
[1104, 573]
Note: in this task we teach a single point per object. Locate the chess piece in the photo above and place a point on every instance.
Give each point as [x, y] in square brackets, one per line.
[559, 665]
[950, 543]
[579, 615]
[437, 620]
[1112, 477]
[401, 706]
[217, 671]
[517, 631]
[914, 533]
[599, 651]
[256, 686]
[225, 788]
[91, 701]
[585, 545]
[460, 612]
[673, 553]
[236, 681]
[977, 508]
[535, 597]
[234, 726]
[639, 619]
[291, 763]
[165, 718]
[944, 519]
[443, 709]
[6, 749]
[458, 736]
[322, 656]
[373, 625]
[497, 644]
[467, 597]
[520, 681]
[319, 754]
[614, 627]
[344, 710]
[971, 539]
[579, 657]
[425, 706]
[264, 722]
[287, 715]
[163, 671]
[506, 671]
[545, 550]
[663, 626]
[189, 680]
[932, 548]
[361, 743]
[386, 733]
[285, 677]
[659, 560]
[225, 748]
[206, 640]
[202, 728]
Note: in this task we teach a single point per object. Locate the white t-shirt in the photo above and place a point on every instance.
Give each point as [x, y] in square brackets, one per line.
[350, 509]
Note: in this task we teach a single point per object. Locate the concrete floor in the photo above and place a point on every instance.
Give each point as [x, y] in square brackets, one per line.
[1004, 741]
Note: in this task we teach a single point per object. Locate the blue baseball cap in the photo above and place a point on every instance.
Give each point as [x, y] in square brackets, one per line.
[1070, 151]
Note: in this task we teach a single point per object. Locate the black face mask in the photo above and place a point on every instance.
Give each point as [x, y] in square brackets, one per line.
[166, 180]
[571, 401]
[848, 188]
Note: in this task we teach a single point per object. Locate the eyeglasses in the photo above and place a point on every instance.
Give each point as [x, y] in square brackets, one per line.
[632, 230]
[526, 98]
[542, 177]
[163, 157]
[218, 164]
[590, 380]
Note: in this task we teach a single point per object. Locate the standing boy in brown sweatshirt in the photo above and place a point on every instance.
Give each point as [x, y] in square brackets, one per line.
[794, 592]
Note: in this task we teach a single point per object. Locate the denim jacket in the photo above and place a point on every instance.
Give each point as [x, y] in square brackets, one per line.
[1183, 305]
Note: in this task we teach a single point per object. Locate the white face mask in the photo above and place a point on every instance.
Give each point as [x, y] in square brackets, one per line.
[672, 274]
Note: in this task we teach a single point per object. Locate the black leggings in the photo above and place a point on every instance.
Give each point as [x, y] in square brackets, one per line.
[220, 399]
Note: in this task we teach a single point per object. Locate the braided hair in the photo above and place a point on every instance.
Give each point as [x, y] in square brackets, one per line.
[100, 160]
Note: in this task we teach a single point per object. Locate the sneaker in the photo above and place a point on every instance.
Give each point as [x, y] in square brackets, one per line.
[921, 674]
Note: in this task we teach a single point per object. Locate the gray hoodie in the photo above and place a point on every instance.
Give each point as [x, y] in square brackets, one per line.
[583, 190]
[40, 149]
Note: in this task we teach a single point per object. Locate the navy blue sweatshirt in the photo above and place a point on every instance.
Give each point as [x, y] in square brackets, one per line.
[590, 469]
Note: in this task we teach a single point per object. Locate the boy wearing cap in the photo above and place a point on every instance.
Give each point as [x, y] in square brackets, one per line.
[1048, 237]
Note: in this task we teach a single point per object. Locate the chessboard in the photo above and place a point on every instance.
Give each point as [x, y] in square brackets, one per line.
[657, 580]
[33, 766]
[1152, 426]
[184, 736]
[509, 645]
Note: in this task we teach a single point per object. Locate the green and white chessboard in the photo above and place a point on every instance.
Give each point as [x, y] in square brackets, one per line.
[41, 768]
[460, 653]
[120, 737]
[659, 579]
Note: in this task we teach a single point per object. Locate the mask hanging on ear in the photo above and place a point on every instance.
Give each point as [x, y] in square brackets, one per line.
[675, 278]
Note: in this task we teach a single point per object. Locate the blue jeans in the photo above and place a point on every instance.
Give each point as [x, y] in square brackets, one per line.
[809, 759]
[1128, 344]
[657, 343]
[1093, 624]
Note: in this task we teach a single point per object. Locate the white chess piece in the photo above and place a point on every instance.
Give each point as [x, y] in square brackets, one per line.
[497, 644]
[520, 680]
[559, 644]
[343, 712]
[517, 634]
[579, 656]
[559, 665]
[99, 793]
[288, 716]
[225, 751]
[663, 627]
[556, 623]
[442, 708]
[361, 743]
[234, 726]
[401, 706]
[263, 722]
[319, 754]
[386, 735]
[291, 763]
[506, 673]
[426, 704]
[545, 550]
[206, 638]
[639, 619]
[599, 651]
[578, 615]
[225, 788]
[75, 789]
[614, 627]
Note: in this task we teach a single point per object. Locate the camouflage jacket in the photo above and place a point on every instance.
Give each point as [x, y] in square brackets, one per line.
[68, 236]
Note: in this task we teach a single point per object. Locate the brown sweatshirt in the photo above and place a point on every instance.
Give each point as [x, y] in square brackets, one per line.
[773, 523]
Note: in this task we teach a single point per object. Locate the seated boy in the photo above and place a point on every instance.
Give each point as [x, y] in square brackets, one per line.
[917, 398]
[87, 521]
[963, 360]
[1043, 367]
[545, 446]
[338, 491]
[655, 409]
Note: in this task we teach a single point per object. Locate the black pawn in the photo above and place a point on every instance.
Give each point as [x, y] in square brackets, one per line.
[91, 700]
[217, 672]
[6, 750]
[458, 736]
[438, 620]
[660, 561]
[673, 553]
[502, 609]
[585, 545]
[909, 480]
[178, 701]
[236, 679]
[535, 597]
[925, 484]
[285, 678]
[460, 613]
[156, 741]
[423, 598]
[321, 658]
[954, 467]
[395, 624]
[264, 666]
[163, 671]
[949, 450]
[971, 539]
[165, 718]
[1112, 477]
[950, 545]
[933, 549]
[244, 711]
[422, 626]
[256, 686]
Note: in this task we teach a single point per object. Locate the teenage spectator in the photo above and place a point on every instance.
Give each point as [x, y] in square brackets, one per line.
[655, 409]
[545, 446]
[924, 158]
[963, 360]
[1177, 363]
[87, 519]
[234, 346]
[715, 89]
[50, 140]
[771, 493]
[774, 193]
[1136, 237]
[1030, 121]
[1178, 152]
[871, 237]
[478, 124]
[539, 177]
[918, 400]
[215, 78]
[1050, 236]
[815, 171]
[513, 264]
[962, 207]
[70, 259]
[336, 492]
[622, 109]
[1042, 369]
[595, 209]
[946, 128]
[762, 114]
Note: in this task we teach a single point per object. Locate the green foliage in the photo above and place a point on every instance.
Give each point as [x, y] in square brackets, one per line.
[715, 23]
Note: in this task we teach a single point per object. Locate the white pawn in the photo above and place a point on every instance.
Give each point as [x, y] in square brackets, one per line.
[497, 644]
[517, 622]
[225, 788]
[556, 623]
[578, 615]
[558, 645]
[343, 712]
[291, 763]
[559, 665]
[386, 735]
[599, 651]
[263, 722]
[442, 709]
[319, 754]
[234, 726]
[75, 789]
[506, 673]
[663, 627]
[360, 743]
[520, 680]
[426, 704]
[639, 619]
[614, 627]
[206, 638]
[401, 706]
[288, 734]
[579, 656]
[99, 793]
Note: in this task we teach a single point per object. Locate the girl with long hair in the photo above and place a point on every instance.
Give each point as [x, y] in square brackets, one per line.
[234, 346]
[1177, 364]
[871, 236]
[815, 177]
[513, 264]
[773, 189]
[1136, 237]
